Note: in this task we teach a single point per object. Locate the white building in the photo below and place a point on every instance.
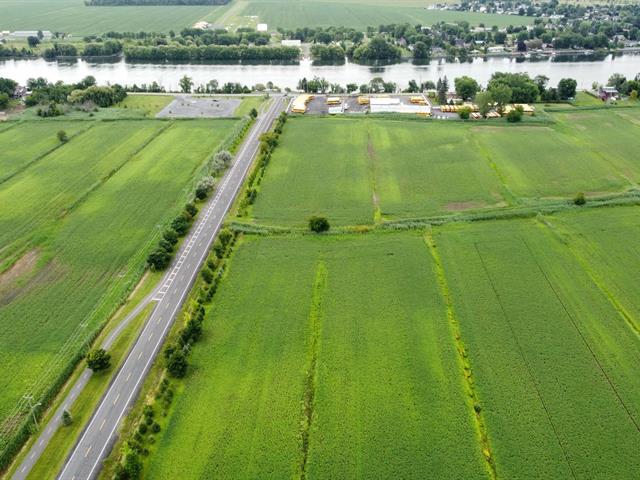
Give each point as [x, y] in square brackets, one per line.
[30, 33]
[291, 43]
[262, 27]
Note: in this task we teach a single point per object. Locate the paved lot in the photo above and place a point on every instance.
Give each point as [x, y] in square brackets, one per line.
[350, 105]
[187, 106]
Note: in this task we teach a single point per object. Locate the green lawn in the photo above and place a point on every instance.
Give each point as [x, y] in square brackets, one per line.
[361, 14]
[358, 323]
[72, 16]
[86, 215]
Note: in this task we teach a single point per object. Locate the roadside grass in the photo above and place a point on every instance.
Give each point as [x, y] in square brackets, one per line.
[150, 105]
[52, 459]
[72, 16]
[358, 14]
[583, 99]
[90, 213]
[250, 373]
[551, 356]
[247, 104]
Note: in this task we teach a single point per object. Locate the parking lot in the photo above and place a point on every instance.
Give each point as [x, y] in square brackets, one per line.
[187, 106]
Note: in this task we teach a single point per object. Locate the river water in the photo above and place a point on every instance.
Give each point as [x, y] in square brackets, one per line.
[585, 70]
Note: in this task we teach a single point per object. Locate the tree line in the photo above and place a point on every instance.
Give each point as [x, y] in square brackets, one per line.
[168, 53]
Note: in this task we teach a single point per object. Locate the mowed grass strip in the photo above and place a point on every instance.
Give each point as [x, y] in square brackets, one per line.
[387, 397]
[389, 400]
[150, 105]
[92, 256]
[24, 144]
[556, 402]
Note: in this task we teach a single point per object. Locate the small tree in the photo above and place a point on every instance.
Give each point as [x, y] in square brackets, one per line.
[66, 418]
[159, 259]
[253, 113]
[98, 359]
[62, 136]
[466, 87]
[177, 364]
[33, 41]
[464, 113]
[514, 115]
[579, 199]
[318, 224]
[484, 100]
[185, 84]
[567, 88]
[204, 187]
[633, 95]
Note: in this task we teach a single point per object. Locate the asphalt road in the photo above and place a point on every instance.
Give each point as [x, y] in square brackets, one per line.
[98, 437]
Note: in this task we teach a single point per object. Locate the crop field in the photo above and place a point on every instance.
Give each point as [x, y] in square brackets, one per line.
[149, 104]
[21, 146]
[360, 323]
[72, 16]
[358, 171]
[552, 357]
[361, 14]
[80, 222]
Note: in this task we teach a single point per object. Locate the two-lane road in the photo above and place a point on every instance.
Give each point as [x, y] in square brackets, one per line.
[97, 439]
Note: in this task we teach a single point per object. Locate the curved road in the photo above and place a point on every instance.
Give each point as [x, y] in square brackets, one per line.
[97, 439]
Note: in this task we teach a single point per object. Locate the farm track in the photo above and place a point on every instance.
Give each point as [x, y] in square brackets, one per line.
[463, 358]
[523, 357]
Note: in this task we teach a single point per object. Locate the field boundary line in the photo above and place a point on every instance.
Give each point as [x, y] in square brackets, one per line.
[524, 359]
[463, 358]
[582, 337]
[310, 383]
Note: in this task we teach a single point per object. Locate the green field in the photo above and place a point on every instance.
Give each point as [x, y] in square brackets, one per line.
[362, 14]
[368, 310]
[72, 16]
[76, 226]
[358, 171]
[149, 104]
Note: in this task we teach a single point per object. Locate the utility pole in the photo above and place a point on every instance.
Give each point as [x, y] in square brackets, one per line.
[32, 408]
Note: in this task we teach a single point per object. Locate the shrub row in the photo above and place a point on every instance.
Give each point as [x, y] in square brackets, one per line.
[268, 143]
[175, 355]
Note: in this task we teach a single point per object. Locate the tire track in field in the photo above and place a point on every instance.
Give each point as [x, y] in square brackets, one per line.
[315, 315]
[371, 154]
[507, 194]
[463, 357]
[524, 358]
[582, 337]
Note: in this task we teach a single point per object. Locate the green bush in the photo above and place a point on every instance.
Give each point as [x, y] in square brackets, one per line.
[318, 224]
[579, 199]
[514, 115]
[98, 359]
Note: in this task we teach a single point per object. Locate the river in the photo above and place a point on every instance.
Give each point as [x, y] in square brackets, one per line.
[584, 69]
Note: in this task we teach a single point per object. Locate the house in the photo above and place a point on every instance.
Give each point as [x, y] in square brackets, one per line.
[262, 27]
[608, 93]
[20, 92]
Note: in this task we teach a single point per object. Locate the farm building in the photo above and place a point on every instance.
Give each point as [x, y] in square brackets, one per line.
[262, 27]
[30, 33]
[394, 105]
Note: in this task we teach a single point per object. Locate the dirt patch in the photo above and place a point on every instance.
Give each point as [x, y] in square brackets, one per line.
[23, 266]
[461, 206]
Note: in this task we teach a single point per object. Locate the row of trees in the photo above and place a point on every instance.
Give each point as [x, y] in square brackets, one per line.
[211, 52]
